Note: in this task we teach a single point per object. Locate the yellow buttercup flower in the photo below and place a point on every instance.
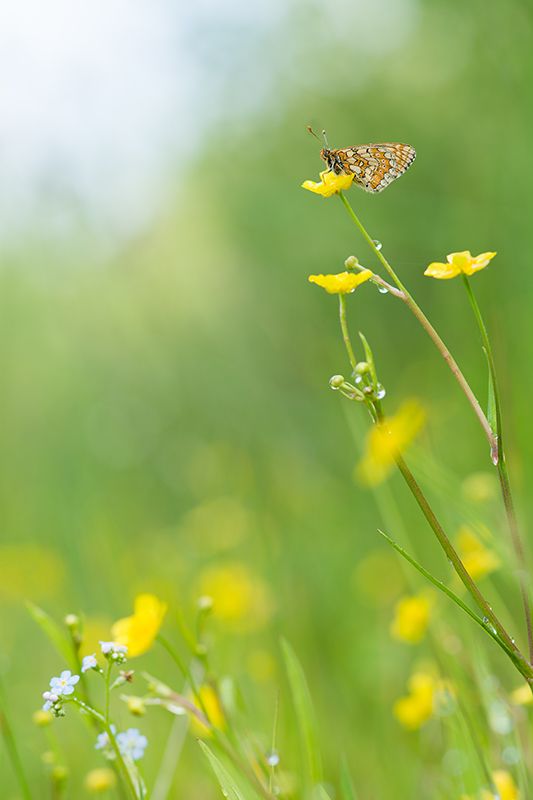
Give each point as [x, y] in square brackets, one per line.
[507, 788]
[478, 559]
[463, 262]
[411, 618]
[522, 696]
[208, 703]
[417, 707]
[139, 631]
[342, 283]
[330, 183]
[242, 601]
[387, 440]
[100, 780]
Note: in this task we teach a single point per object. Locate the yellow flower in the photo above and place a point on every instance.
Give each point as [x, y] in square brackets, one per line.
[208, 703]
[522, 696]
[241, 600]
[139, 631]
[479, 561]
[100, 780]
[463, 262]
[507, 789]
[42, 718]
[389, 439]
[342, 283]
[411, 618]
[416, 708]
[330, 183]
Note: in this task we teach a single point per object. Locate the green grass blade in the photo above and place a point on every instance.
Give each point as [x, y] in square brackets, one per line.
[347, 787]
[369, 358]
[303, 706]
[320, 794]
[229, 787]
[12, 750]
[448, 592]
[55, 633]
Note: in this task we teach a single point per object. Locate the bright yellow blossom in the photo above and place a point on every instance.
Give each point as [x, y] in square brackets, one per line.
[479, 560]
[387, 440]
[330, 183]
[242, 601]
[417, 707]
[139, 631]
[100, 780]
[411, 618]
[504, 783]
[522, 696]
[342, 283]
[463, 262]
[209, 705]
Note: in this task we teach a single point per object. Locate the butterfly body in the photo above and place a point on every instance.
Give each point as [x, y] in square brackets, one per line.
[374, 166]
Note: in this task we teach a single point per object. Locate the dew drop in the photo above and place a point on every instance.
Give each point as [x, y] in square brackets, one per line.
[377, 244]
[380, 393]
[272, 758]
[383, 290]
[358, 379]
[485, 620]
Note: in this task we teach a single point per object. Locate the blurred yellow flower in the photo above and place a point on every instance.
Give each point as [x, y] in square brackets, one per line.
[208, 703]
[463, 262]
[411, 618]
[387, 440]
[507, 789]
[241, 599]
[479, 560]
[342, 283]
[330, 183]
[100, 780]
[42, 718]
[417, 707]
[139, 631]
[522, 696]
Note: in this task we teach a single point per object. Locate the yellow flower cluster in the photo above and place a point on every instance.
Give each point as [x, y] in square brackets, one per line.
[389, 439]
[342, 283]
[411, 618]
[329, 184]
[463, 262]
[139, 631]
[418, 706]
[479, 561]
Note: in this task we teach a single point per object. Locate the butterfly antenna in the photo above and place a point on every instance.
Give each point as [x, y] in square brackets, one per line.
[325, 139]
[311, 131]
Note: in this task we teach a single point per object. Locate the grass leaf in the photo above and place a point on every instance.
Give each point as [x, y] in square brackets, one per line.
[227, 783]
[347, 787]
[55, 633]
[303, 706]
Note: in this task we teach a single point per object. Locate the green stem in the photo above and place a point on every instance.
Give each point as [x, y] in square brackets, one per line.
[503, 474]
[519, 660]
[428, 327]
[107, 691]
[12, 749]
[345, 333]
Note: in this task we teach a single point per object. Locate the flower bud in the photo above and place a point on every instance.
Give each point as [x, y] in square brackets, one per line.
[59, 774]
[100, 780]
[336, 381]
[205, 603]
[351, 262]
[72, 621]
[362, 368]
[136, 706]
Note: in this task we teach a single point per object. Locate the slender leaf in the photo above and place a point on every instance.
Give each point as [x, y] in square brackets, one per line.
[448, 592]
[492, 414]
[320, 793]
[370, 358]
[226, 781]
[55, 633]
[303, 706]
[347, 787]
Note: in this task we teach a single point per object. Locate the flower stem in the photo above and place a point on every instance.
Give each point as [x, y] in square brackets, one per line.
[12, 750]
[344, 329]
[505, 485]
[430, 330]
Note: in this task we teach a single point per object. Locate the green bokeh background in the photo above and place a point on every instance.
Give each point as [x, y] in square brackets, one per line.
[190, 370]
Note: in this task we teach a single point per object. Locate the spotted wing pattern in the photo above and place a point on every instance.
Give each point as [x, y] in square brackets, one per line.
[375, 166]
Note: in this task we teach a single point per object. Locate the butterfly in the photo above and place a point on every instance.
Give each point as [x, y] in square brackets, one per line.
[374, 166]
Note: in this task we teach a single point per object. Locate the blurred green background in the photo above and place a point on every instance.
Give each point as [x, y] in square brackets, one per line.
[165, 409]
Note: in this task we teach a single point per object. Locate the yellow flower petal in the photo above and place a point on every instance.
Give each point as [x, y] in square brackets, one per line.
[522, 696]
[478, 559]
[342, 283]
[139, 631]
[209, 705]
[461, 262]
[330, 183]
[411, 618]
[387, 440]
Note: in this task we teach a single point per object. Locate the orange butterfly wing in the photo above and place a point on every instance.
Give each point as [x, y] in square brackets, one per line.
[375, 166]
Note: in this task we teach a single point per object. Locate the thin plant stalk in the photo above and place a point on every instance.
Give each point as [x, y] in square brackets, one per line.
[430, 330]
[503, 474]
[516, 656]
[12, 749]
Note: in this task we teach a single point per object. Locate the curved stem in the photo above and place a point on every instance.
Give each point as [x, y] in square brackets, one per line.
[503, 474]
[430, 330]
[345, 333]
